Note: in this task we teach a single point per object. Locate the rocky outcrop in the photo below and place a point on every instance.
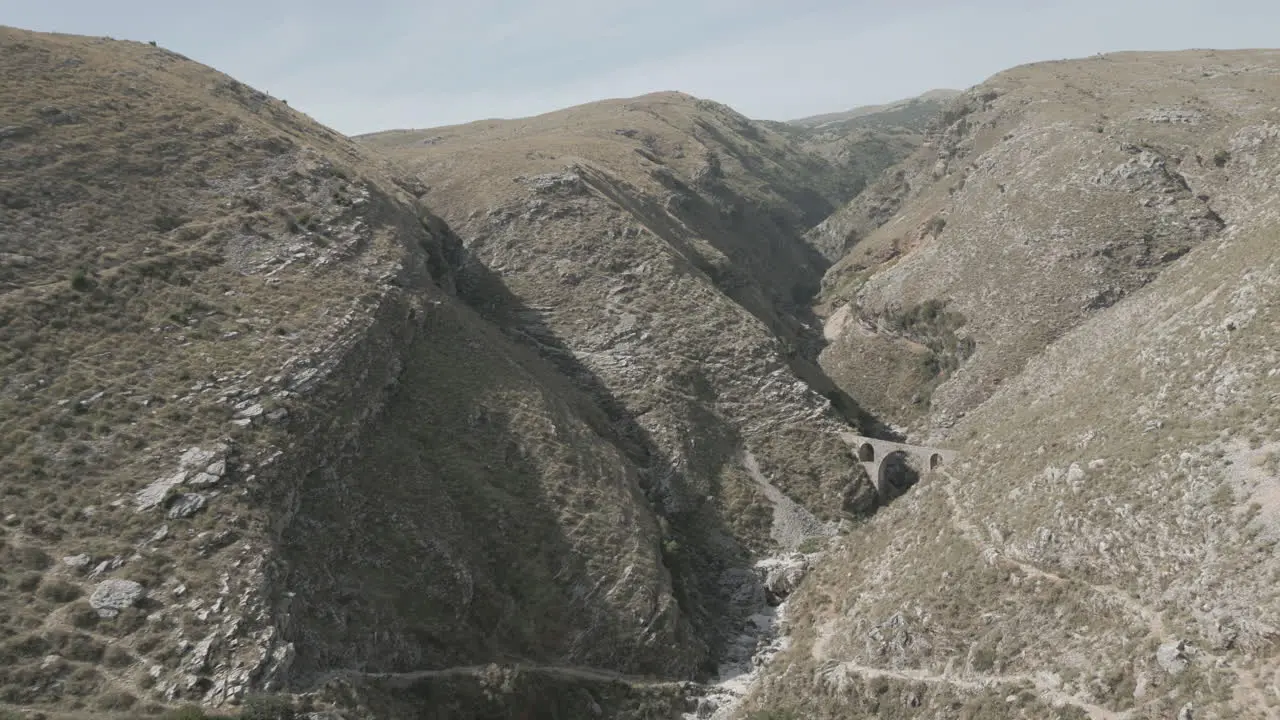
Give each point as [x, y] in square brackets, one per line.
[112, 596]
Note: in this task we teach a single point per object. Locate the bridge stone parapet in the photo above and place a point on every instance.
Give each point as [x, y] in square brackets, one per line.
[891, 464]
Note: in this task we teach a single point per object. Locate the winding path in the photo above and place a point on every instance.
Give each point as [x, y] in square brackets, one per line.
[405, 679]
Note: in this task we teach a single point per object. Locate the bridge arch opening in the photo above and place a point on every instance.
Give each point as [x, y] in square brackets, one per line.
[899, 471]
[935, 461]
[866, 452]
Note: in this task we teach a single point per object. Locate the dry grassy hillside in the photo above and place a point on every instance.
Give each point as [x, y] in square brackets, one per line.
[1048, 194]
[743, 193]
[269, 424]
[1105, 548]
[248, 434]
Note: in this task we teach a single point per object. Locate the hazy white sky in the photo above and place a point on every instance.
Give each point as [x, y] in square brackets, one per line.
[378, 64]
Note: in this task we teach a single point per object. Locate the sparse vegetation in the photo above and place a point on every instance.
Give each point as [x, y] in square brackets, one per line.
[195, 712]
[167, 221]
[80, 280]
[935, 225]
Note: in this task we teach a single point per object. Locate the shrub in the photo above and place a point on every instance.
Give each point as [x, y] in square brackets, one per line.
[268, 707]
[810, 545]
[59, 591]
[166, 221]
[82, 615]
[80, 280]
[117, 700]
[28, 582]
[117, 657]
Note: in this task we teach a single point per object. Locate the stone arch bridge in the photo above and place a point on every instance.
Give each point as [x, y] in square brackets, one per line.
[891, 464]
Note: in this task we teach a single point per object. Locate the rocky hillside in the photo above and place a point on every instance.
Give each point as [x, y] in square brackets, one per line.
[1086, 253]
[543, 417]
[1045, 196]
[267, 424]
[250, 435]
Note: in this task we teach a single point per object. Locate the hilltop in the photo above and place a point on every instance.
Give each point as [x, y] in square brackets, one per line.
[914, 113]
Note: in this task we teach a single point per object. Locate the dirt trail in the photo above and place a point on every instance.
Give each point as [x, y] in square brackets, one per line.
[977, 683]
[1153, 619]
[405, 679]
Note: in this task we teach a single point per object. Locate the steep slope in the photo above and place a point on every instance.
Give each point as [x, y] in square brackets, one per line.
[1105, 547]
[1047, 194]
[655, 246]
[248, 434]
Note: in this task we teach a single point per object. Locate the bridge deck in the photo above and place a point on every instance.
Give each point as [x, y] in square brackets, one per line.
[871, 452]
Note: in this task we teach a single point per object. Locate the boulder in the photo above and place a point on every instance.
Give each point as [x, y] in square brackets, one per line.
[1172, 657]
[76, 562]
[781, 576]
[186, 505]
[112, 596]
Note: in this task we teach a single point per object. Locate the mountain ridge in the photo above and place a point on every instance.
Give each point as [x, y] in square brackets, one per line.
[939, 95]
